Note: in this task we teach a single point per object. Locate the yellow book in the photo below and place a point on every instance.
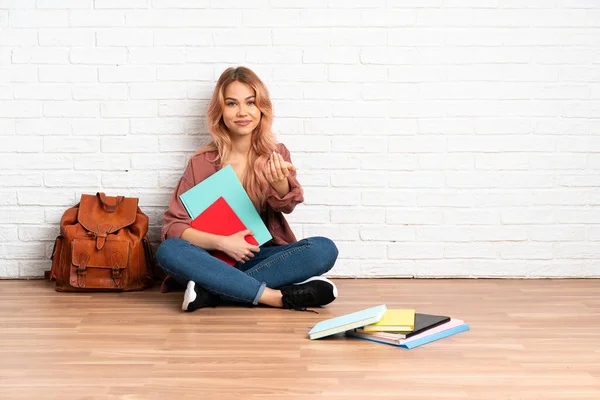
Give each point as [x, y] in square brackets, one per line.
[394, 320]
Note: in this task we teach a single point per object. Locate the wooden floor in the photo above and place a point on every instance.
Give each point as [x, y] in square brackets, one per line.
[529, 339]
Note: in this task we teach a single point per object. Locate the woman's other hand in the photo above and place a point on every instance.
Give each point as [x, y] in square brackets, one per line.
[277, 169]
[236, 247]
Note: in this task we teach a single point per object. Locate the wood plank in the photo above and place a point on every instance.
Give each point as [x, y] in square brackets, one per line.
[529, 339]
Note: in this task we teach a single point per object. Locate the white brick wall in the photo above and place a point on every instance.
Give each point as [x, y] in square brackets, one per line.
[434, 138]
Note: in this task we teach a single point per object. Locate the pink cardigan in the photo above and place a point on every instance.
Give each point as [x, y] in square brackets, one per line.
[200, 167]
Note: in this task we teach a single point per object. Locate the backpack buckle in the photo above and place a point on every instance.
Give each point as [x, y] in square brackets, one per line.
[117, 275]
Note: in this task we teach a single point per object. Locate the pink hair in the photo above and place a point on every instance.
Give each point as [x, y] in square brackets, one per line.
[262, 140]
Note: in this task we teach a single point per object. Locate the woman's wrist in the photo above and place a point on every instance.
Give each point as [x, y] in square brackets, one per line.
[219, 243]
[282, 187]
[207, 241]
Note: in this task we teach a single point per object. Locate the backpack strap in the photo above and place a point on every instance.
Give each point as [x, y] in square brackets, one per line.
[51, 273]
[101, 233]
[109, 208]
[83, 257]
[116, 261]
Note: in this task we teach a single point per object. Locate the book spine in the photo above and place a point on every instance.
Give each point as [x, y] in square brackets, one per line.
[187, 208]
[436, 336]
[374, 340]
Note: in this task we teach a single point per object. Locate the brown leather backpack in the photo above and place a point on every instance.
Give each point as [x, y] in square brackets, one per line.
[102, 246]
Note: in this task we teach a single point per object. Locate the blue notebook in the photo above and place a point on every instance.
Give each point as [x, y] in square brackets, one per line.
[346, 322]
[225, 183]
[421, 341]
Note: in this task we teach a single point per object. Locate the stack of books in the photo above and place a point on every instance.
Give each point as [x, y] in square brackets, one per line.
[404, 328]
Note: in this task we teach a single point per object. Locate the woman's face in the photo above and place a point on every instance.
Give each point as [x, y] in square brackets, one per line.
[241, 115]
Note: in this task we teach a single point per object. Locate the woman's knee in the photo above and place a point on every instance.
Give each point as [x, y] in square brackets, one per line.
[168, 249]
[326, 252]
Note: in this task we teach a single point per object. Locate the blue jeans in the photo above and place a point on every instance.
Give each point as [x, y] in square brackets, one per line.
[272, 267]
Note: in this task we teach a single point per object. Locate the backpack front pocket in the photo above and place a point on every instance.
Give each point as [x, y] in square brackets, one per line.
[99, 269]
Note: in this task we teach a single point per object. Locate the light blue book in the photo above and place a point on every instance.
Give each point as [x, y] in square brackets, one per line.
[436, 336]
[346, 322]
[225, 183]
[416, 343]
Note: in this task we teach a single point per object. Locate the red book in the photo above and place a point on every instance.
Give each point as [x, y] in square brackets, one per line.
[220, 219]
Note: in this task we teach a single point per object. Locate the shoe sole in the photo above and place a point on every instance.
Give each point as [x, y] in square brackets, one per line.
[321, 278]
[189, 295]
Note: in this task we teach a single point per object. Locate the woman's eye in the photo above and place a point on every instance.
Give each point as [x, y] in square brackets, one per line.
[250, 103]
[230, 104]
